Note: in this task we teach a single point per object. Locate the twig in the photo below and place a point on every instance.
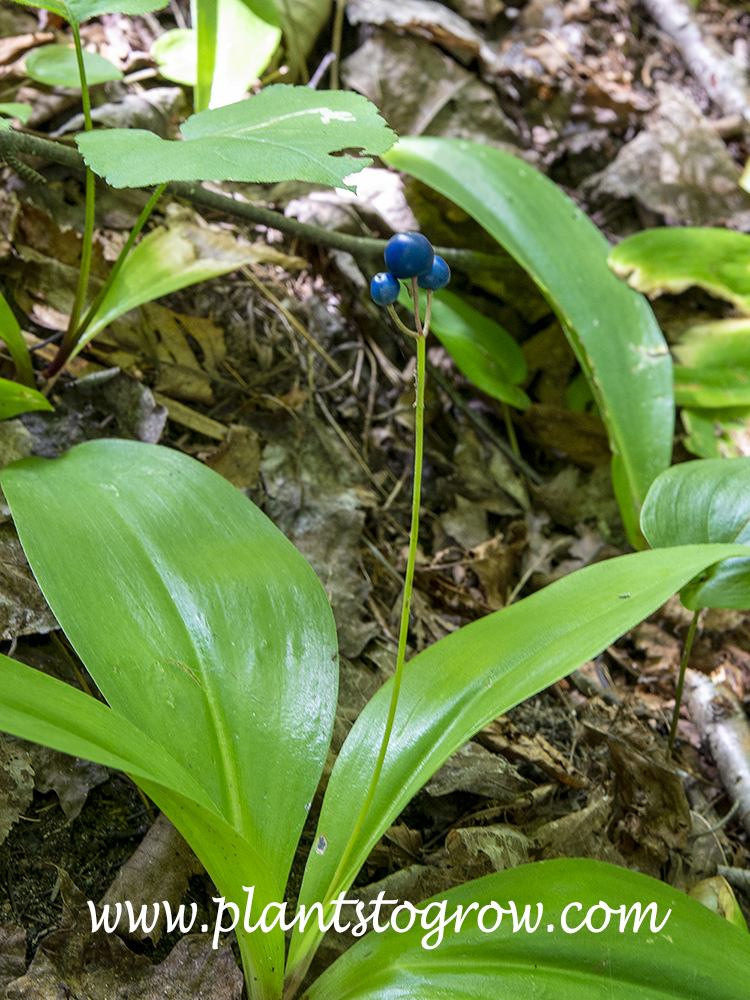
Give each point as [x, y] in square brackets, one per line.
[721, 721]
[368, 251]
[722, 78]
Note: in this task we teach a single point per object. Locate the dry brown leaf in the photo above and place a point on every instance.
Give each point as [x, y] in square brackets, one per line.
[473, 769]
[238, 457]
[158, 870]
[12, 953]
[580, 436]
[505, 738]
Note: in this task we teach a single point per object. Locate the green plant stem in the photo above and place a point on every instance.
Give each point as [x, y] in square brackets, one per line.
[102, 294]
[69, 340]
[421, 337]
[510, 430]
[338, 29]
[681, 681]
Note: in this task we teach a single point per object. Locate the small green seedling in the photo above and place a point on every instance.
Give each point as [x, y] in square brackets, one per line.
[213, 643]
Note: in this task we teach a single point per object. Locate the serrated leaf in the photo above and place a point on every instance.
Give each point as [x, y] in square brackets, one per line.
[283, 133]
[682, 951]
[613, 332]
[57, 66]
[483, 350]
[700, 502]
[16, 398]
[674, 259]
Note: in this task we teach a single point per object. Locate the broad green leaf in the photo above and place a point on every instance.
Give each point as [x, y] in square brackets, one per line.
[232, 862]
[711, 388]
[612, 330]
[706, 501]
[47, 711]
[725, 342]
[716, 433]
[197, 619]
[165, 260]
[43, 709]
[282, 133]
[484, 351]
[674, 259]
[245, 46]
[16, 398]
[10, 333]
[681, 950]
[302, 22]
[460, 683]
[76, 11]
[15, 110]
[57, 66]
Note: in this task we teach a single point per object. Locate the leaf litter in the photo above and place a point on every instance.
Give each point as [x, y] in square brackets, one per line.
[238, 371]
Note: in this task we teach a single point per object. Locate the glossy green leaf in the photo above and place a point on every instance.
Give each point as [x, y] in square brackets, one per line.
[37, 707]
[674, 259]
[691, 955]
[612, 330]
[711, 388]
[706, 501]
[245, 45]
[460, 683]
[282, 133]
[165, 260]
[725, 342]
[484, 351]
[197, 619]
[16, 398]
[716, 433]
[57, 66]
[76, 11]
[15, 110]
[10, 333]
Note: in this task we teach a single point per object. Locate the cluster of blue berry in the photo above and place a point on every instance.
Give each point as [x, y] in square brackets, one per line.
[408, 255]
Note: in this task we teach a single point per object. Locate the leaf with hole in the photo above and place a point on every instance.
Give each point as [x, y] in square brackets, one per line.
[699, 502]
[282, 133]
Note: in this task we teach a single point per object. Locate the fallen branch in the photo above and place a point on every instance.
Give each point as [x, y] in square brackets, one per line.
[368, 252]
[721, 76]
[719, 718]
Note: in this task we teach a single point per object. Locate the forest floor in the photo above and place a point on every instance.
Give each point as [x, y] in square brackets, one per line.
[233, 371]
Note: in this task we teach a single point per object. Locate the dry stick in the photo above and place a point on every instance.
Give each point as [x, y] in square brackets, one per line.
[723, 79]
[365, 250]
[721, 721]
[681, 681]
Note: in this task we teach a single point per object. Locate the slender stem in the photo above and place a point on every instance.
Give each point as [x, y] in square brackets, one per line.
[338, 28]
[510, 429]
[69, 340]
[421, 337]
[681, 681]
[102, 294]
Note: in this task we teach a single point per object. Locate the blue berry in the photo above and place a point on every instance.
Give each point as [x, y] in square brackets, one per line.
[408, 255]
[437, 277]
[384, 289]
